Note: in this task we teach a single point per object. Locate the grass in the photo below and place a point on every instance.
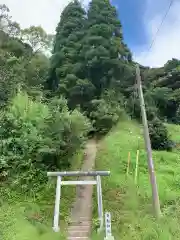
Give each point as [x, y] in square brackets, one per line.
[130, 205]
[174, 131]
[25, 217]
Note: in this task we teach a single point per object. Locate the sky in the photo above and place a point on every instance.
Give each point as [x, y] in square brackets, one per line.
[140, 20]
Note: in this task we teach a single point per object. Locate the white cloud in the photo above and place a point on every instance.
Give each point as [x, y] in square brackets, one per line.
[37, 12]
[167, 44]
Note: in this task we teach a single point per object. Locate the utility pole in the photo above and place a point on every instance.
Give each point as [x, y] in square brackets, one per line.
[155, 196]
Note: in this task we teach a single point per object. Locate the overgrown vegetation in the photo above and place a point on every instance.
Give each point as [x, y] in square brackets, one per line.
[29, 215]
[36, 138]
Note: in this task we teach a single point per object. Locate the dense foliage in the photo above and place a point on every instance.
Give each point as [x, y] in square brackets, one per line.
[89, 58]
[36, 137]
[36, 134]
[163, 85]
[48, 105]
[159, 135]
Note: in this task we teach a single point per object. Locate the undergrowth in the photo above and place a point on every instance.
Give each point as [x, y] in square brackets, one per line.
[27, 217]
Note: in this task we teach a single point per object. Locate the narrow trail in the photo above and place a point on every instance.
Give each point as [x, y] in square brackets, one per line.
[80, 224]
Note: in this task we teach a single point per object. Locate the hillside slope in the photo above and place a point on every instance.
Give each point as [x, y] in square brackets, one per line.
[130, 205]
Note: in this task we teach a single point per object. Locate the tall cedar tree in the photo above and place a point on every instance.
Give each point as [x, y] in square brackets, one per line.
[103, 48]
[66, 73]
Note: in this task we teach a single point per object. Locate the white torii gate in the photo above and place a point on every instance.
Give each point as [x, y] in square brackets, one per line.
[59, 175]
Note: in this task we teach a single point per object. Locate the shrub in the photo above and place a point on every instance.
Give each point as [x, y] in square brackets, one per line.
[159, 135]
[104, 115]
[67, 131]
[177, 118]
[133, 107]
[36, 138]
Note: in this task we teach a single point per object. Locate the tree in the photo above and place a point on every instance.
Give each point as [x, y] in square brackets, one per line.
[37, 38]
[35, 75]
[4, 16]
[14, 29]
[19, 67]
[104, 50]
[164, 101]
[11, 76]
[164, 87]
[67, 75]
[171, 64]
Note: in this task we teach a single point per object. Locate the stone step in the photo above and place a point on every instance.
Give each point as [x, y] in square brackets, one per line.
[80, 223]
[78, 238]
[82, 218]
[78, 233]
[83, 228]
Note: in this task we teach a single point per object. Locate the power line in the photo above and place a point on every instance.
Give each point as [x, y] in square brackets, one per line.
[162, 22]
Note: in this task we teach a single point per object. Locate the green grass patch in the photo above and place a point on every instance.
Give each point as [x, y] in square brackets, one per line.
[174, 131]
[131, 205]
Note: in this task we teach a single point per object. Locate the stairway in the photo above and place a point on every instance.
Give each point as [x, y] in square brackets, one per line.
[80, 224]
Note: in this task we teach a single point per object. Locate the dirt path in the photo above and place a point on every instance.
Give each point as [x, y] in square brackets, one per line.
[80, 226]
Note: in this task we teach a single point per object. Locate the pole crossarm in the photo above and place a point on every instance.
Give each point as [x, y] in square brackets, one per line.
[79, 174]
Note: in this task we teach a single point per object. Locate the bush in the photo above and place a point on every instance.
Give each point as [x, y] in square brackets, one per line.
[133, 107]
[36, 138]
[159, 135]
[177, 118]
[104, 114]
[67, 131]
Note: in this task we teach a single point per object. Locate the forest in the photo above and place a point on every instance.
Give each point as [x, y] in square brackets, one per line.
[51, 103]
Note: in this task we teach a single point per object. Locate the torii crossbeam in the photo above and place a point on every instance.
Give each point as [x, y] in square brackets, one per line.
[97, 181]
